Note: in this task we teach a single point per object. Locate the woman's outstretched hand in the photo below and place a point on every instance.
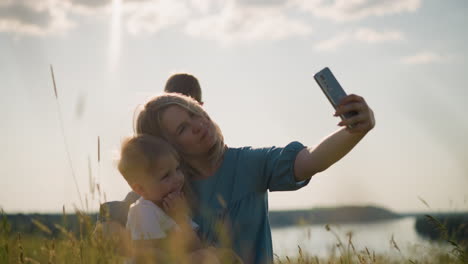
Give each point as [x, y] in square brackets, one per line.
[331, 149]
[363, 121]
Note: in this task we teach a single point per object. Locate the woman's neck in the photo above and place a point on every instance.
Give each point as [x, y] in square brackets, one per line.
[205, 167]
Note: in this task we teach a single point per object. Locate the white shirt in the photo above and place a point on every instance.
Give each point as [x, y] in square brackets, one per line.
[147, 221]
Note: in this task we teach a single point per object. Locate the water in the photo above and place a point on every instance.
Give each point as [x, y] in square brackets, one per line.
[316, 240]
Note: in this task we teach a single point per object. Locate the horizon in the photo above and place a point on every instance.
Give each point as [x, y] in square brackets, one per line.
[255, 61]
[318, 207]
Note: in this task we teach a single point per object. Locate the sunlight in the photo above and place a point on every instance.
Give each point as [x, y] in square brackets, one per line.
[114, 47]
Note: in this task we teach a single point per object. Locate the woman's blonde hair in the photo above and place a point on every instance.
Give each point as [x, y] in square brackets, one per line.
[149, 122]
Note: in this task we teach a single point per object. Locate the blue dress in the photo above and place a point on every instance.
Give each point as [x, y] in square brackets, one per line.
[233, 203]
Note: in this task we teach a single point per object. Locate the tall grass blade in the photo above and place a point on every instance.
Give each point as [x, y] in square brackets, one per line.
[424, 202]
[53, 81]
[98, 149]
[41, 226]
[64, 137]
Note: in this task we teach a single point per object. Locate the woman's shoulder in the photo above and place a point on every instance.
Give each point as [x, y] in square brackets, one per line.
[264, 149]
[245, 151]
[253, 154]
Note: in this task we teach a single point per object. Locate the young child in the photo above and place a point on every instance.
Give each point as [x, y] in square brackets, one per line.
[185, 84]
[159, 221]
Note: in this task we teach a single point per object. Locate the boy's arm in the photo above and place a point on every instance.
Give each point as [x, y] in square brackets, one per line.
[310, 161]
[175, 205]
[185, 238]
[150, 251]
[178, 246]
[163, 251]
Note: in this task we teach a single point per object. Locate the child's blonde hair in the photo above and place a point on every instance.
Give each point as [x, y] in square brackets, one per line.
[139, 155]
[149, 122]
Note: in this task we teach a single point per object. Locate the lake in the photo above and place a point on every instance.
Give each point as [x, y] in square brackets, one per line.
[376, 236]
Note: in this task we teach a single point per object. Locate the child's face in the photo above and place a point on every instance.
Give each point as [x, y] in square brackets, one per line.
[165, 179]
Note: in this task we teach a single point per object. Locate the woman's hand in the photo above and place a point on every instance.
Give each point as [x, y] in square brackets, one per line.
[363, 121]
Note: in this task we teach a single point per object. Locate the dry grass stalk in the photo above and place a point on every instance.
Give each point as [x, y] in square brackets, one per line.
[64, 137]
[99, 149]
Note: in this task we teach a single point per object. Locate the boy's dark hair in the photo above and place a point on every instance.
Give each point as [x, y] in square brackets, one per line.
[185, 84]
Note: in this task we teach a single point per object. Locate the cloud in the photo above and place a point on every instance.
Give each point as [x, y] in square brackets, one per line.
[91, 3]
[206, 6]
[225, 21]
[236, 23]
[44, 17]
[39, 18]
[27, 14]
[371, 36]
[153, 16]
[345, 10]
[262, 3]
[366, 35]
[89, 7]
[425, 57]
[334, 43]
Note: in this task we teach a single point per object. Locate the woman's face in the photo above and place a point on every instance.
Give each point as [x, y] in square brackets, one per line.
[194, 135]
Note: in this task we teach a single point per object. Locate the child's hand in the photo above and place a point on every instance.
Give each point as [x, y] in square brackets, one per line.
[363, 121]
[175, 205]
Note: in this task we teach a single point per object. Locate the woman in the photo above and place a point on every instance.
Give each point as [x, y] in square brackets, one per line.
[231, 184]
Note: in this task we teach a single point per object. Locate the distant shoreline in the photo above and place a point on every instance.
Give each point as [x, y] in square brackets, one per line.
[27, 223]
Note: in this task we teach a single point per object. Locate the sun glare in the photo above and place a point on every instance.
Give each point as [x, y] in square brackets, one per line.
[114, 47]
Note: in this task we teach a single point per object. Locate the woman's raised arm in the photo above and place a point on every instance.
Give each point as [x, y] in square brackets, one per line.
[315, 159]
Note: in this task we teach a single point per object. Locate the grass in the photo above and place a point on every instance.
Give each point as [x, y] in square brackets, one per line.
[89, 245]
[86, 246]
[346, 252]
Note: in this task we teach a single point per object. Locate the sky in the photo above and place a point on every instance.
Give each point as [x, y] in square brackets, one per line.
[255, 61]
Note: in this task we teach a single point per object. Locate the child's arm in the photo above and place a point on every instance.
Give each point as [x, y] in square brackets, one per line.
[176, 206]
[161, 251]
[150, 251]
[310, 161]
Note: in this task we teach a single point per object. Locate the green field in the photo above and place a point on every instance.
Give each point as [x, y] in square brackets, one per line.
[88, 245]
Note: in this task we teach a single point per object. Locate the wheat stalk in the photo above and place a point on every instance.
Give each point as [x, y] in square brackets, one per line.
[64, 137]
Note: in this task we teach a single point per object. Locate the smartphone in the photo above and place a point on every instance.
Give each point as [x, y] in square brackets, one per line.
[332, 89]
